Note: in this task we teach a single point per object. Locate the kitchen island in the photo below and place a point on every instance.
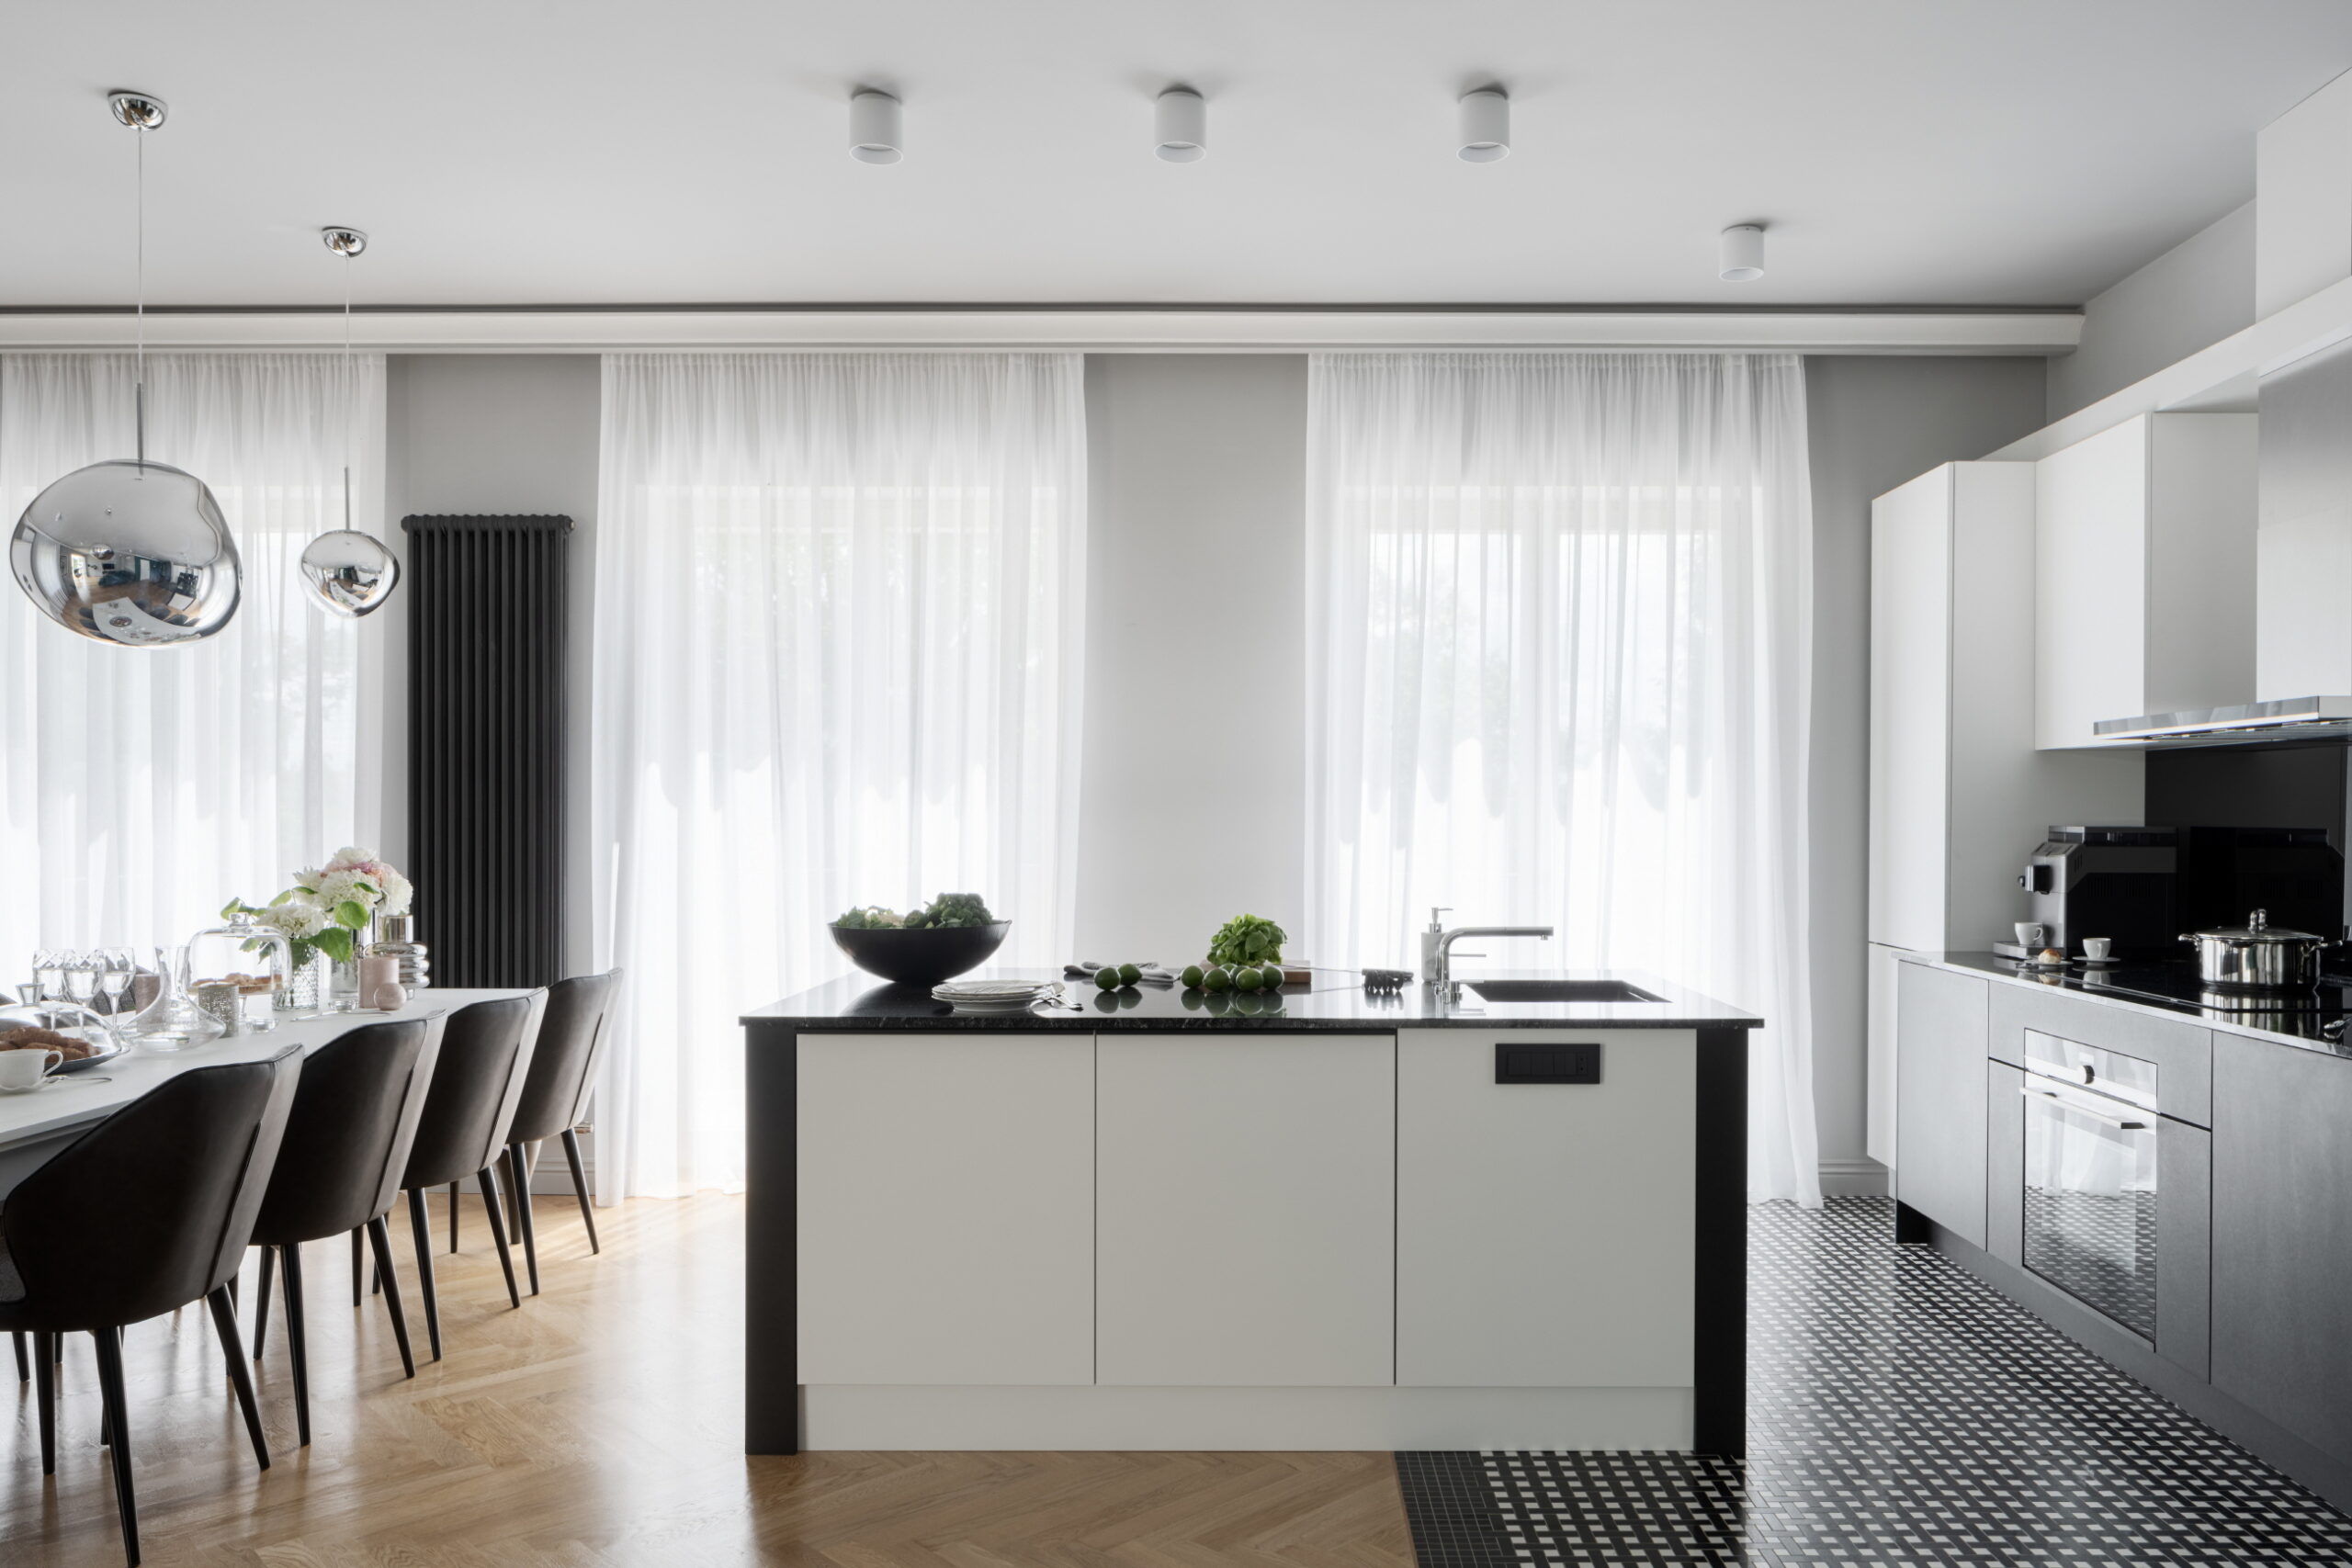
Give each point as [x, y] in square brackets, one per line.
[1330, 1220]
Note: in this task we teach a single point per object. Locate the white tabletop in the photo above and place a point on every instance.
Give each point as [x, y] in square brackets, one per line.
[35, 1125]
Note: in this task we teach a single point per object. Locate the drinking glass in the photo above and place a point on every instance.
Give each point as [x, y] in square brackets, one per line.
[49, 974]
[81, 977]
[114, 964]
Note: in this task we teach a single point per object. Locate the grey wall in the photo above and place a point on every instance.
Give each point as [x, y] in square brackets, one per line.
[2197, 293]
[1192, 796]
[498, 433]
[1875, 422]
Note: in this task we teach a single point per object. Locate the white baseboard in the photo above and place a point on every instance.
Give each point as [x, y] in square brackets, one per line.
[1853, 1178]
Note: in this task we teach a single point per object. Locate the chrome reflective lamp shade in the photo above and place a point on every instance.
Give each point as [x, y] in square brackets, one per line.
[127, 551]
[343, 570]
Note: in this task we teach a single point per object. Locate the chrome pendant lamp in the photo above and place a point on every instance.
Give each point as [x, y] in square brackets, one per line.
[127, 550]
[345, 571]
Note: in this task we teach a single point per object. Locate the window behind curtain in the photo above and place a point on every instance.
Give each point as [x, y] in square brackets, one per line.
[839, 603]
[142, 788]
[1559, 630]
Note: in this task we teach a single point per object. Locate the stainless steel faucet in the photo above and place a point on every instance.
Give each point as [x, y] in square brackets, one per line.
[1437, 948]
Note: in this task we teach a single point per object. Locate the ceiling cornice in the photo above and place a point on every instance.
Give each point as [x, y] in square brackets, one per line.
[1147, 329]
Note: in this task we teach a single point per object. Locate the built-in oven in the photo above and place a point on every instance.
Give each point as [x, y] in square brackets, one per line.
[2090, 1177]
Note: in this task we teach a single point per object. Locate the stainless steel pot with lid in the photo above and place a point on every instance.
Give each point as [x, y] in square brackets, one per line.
[2258, 955]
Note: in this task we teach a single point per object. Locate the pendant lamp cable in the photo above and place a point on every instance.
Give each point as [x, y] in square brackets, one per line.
[139, 378]
[350, 398]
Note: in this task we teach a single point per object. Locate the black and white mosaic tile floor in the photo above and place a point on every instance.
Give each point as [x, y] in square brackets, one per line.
[1901, 1413]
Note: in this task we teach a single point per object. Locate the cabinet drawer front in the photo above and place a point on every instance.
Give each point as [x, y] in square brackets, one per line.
[2282, 1236]
[1544, 1232]
[1940, 1097]
[947, 1211]
[1246, 1186]
[2183, 1053]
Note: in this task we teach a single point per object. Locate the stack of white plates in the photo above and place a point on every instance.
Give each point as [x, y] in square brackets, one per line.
[994, 996]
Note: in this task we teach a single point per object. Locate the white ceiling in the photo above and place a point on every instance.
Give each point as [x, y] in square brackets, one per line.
[1930, 152]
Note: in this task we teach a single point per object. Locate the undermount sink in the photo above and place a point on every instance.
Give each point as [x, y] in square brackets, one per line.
[1560, 991]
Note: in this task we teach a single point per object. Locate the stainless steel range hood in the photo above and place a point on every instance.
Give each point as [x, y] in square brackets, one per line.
[2294, 719]
[2303, 572]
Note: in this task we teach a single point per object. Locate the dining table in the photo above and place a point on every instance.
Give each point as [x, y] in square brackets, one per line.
[35, 1124]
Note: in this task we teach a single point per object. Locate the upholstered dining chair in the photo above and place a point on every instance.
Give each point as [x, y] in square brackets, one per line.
[554, 1096]
[477, 1081]
[346, 1145]
[145, 1213]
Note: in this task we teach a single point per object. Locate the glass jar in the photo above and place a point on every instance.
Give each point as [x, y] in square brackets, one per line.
[252, 962]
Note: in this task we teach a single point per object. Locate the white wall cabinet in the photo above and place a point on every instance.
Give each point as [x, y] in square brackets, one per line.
[947, 1208]
[2144, 593]
[1960, 795]
[1485, 1299]
[1247, 1189]
[2302, 215]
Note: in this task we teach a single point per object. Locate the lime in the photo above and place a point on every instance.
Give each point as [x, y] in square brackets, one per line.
[1216, 981]
[1249, 979]
[1192, 977]
[1129, 974]
[1107, 977]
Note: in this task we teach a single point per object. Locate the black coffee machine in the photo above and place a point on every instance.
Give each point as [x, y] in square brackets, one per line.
[2141, 887]
[2118, 883]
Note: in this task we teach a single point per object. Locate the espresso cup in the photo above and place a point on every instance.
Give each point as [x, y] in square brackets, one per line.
[22, 1071]
[2030, 933]
[2098, 948]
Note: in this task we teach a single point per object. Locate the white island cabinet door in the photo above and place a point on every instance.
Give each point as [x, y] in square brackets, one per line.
[947, 1208]
[1247, 1189]
[1546, 1231]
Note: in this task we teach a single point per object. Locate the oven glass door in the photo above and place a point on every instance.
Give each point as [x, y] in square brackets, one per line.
[2090, 1199]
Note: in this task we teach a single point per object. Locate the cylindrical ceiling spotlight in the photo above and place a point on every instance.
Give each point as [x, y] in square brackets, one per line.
[1485, 126]
[1180, 121]
[1743, 253]
[873, 127]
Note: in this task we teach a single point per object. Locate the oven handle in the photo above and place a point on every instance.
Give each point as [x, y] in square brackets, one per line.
[2120, 1123]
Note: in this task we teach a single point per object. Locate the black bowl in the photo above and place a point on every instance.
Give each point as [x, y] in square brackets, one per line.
[921, 957]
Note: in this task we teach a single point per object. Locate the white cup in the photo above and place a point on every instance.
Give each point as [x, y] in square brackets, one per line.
[2097, 948]
[22, 1070]
[2030, 933]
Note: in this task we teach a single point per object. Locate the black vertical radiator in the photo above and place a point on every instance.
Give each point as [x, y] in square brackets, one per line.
[486, 745]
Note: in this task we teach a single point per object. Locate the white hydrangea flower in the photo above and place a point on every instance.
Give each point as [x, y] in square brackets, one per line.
[350, 858]
[396, 892]
[297, 918]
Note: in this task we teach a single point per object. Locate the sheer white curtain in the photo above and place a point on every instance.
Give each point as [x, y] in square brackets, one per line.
[1559, 632]
[142, 788]
[839, 607]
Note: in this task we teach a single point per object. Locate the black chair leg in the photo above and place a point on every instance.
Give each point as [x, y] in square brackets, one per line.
[118, 1424]
[580, 1186]
[296, 1350]
[45, 1395]
[486, 1178]
[24, 1366]
[380, 1237]
[519, 1199]
[261, 1298]
[358, 1296]
[454, 1188]
[420, 1223]
[224, 1323]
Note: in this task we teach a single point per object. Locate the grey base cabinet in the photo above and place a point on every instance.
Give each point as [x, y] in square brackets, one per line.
[1941, 1021]
[2282, 1236]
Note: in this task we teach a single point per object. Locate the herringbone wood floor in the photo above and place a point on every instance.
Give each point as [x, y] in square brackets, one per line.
[599, 1428]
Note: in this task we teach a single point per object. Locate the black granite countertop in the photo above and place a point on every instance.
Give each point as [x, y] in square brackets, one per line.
[2320, 1029]
[857, 1001]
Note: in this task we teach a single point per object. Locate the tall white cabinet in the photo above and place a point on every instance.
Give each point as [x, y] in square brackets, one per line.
[1959, 794]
